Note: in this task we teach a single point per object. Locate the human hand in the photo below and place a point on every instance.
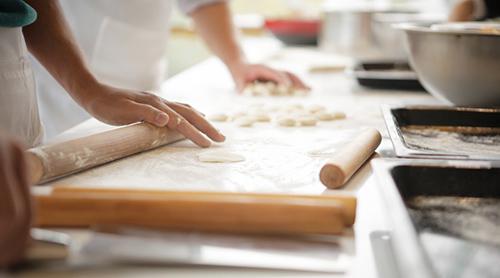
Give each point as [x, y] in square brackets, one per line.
[247, 73]
[462, 11]
[15, 202]
[120, 107]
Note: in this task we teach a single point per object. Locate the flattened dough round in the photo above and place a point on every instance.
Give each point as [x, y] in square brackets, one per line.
[316, 108]
[245, 121]
[261, 117]
[307, 121]
[220, 156]
[286, 121]
[330, 116]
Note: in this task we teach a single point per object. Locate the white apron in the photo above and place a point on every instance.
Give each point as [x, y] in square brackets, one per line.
[18, 103]
[124, 43]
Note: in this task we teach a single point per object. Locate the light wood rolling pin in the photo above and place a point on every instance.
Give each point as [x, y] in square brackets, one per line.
[60, 159]
[347, 201]
[340, 168]
[197, 211]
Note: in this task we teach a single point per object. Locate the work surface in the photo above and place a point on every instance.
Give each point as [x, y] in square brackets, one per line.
[278, 159]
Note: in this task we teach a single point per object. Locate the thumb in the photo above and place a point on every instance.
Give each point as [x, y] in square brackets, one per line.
[150, 114]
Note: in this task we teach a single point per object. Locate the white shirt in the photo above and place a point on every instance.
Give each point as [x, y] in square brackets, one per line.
[124, 43]
[18, 103]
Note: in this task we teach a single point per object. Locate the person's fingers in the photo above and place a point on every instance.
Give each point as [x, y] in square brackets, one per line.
[269, 74]
[181, 124]
[198, 121]
[193, 134]
[185, 104]
[159, 103]
[297, 82]
[136, 112]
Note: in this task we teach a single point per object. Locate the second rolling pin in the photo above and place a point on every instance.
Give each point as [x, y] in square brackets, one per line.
[197, 211]
[56, 160]
[339, 169]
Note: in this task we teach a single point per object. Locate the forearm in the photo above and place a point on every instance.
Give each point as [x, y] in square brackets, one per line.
[214, 24]
[50, 40]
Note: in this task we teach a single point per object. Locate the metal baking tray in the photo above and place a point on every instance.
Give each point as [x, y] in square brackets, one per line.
[444, 216]
[389, 75]
[444, 132]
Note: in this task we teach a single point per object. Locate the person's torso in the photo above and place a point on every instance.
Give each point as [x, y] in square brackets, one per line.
[124, 41]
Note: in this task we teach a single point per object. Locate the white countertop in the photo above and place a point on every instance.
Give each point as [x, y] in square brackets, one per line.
[208, 87]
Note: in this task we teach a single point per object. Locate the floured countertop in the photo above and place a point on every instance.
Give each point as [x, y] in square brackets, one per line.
[277, 159]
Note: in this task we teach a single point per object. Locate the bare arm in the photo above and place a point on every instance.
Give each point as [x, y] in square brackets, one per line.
[463, 11]
[15, 202]
[214, 24]
[52, 43]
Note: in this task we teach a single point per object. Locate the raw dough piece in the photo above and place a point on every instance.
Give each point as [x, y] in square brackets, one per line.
[330, 116]
[307, 121]
[316, 108]
[256, 89]
[248, 90]
[271, 86]
[260, 90]
[238, 115]
[246, 121]
[261, 117]
[293, 108]
[283, 90]
[220, 156]
[286, 121]
[272, 89]
[218, 117]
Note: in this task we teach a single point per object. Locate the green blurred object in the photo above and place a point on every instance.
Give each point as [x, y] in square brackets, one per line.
[16, 13]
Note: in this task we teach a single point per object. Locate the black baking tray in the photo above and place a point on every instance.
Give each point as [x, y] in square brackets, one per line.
[445, 217]
[444, 132]
[388, 75]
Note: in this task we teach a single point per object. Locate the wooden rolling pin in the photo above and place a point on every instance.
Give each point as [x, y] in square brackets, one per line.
[347, 201]
[60, 159]
[339, 169]
[197, 211]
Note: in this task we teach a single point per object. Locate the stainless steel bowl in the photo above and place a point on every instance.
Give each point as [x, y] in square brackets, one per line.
[391, 40]
[461, 68]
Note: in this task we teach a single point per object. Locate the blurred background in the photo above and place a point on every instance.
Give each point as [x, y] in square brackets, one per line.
[186, 49]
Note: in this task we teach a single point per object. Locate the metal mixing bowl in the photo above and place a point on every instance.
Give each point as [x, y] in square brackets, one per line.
[461, 68]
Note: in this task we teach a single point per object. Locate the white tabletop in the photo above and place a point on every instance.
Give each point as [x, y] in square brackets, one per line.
[208, 87]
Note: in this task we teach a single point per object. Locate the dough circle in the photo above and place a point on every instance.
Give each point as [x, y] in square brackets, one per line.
[245, 121]
[261, 117]
[316, 108]
[307, 121]
[220, 156]
[286, 121]
[330, 116]
[272, 89]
